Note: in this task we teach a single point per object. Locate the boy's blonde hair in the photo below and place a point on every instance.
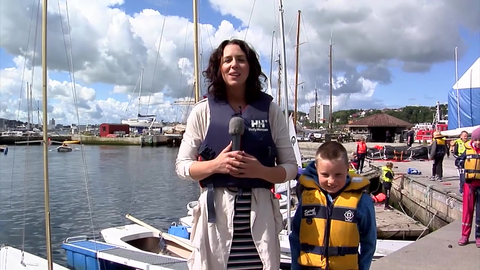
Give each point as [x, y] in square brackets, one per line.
[334, 151]
[389, 164]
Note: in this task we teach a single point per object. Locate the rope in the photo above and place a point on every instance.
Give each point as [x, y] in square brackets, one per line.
[26, 175]
[428, 225]
[158, 55]
[131, 97]
[71, 71]
[249, 19]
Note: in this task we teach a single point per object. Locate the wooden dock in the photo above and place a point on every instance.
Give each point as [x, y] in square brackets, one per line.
[438, 250]
[12, 140]
[434, 203]
[393, 224]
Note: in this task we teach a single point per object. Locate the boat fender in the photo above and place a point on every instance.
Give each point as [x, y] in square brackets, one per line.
[179, 231]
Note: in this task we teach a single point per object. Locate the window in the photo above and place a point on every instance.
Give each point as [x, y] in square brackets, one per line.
[104, 129]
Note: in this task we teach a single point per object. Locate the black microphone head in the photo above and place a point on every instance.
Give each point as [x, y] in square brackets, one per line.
[236, 126]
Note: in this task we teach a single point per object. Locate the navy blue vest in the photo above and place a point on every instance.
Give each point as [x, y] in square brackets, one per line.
[256, 140]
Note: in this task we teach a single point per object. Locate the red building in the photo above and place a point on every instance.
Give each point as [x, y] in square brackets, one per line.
[117, 129]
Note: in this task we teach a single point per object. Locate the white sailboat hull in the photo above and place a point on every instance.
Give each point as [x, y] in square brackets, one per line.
[456, 132]
[11, 258]
[142, 123]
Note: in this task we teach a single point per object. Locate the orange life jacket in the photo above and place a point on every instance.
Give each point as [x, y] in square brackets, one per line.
[362, 148]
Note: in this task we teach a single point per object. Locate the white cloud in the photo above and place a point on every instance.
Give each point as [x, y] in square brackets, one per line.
[111, 47]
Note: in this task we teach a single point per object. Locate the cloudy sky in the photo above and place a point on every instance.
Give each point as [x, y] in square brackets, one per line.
[386, 53]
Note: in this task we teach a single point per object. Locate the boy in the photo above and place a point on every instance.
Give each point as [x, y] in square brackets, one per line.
[335, 209]
[387, 178]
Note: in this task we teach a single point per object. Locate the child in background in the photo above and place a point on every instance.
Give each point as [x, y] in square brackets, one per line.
[333, 208]
[387, 179]
[354, 161]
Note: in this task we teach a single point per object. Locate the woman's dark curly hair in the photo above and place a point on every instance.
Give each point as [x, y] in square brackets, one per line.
[214, 79]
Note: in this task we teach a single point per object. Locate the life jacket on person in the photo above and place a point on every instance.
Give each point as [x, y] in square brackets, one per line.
[460, 146]
[441, 147]
[385, 170]
[334, 224]
[361, 147]
[256, 140]
[472, 163]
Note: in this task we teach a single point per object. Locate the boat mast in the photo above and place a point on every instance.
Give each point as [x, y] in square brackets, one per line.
[45, 137]
[297, 52]
[283, 61]
[195, 51]
[28, 106]
[456, 88]
[271, 61]
[140, 93]
[330, 116]
[279, 82]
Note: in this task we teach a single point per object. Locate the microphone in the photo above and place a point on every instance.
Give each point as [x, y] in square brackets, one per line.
[236, 127]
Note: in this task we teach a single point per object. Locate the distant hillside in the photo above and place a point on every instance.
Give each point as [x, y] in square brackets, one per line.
[11, 123]
[411, 114]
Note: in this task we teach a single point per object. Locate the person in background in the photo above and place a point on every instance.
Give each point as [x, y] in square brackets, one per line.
[237, 219]
[354, 161]
[457, 150]
[437, 153]
[388, 136]
[335, 208]
[361, 154]
[410, 137]
[387, 179]
[471, 189]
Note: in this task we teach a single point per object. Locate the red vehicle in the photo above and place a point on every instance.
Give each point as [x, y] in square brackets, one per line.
[424, 131]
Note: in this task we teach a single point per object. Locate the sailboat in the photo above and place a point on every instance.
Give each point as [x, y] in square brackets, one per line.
[142, 121]
[142, 237]
[11, 257]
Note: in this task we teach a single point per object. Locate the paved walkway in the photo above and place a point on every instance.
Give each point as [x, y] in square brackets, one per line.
[438, 250]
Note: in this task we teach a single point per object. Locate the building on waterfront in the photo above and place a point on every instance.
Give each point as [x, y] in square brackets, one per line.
[115, 129]
[322, 113]
[374, 127]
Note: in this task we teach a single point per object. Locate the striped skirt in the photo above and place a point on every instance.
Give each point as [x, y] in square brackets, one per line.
[243, 254]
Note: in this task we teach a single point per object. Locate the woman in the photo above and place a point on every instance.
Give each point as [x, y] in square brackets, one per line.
[237, 220]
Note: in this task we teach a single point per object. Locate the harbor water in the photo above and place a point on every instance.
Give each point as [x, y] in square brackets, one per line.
[90, 190]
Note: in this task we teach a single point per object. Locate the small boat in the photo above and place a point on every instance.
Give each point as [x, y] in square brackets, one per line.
[84, 253]
[64, 148]
[17, 259]
[147, 238]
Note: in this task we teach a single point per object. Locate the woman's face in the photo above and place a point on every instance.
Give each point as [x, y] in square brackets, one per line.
[234, 66]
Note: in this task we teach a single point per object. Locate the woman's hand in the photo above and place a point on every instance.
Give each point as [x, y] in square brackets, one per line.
[245, 165]
[223, 160]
